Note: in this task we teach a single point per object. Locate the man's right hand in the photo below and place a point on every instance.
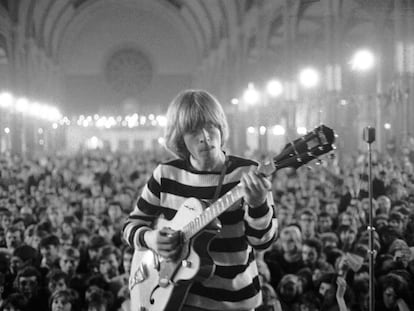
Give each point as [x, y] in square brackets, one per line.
[166, 242]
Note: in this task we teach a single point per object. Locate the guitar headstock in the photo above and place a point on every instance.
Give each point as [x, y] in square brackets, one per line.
[309, 147]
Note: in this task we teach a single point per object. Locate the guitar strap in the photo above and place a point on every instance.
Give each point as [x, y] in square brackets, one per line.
[220, 183]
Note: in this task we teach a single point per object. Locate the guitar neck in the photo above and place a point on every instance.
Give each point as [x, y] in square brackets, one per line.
[212, 212]
[295, 154]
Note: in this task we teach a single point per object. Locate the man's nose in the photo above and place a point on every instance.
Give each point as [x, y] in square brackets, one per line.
[204, 135]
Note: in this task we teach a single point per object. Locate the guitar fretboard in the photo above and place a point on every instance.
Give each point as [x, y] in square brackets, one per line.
[213, 211]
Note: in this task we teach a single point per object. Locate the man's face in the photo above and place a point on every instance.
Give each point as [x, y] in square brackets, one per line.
[324, 288]
[28, 285]
[309, 255]
[68, 264]
[307, 223]
[389, 297]
[114, 211]
[325, 224]
[83, 241]
[6, 221]
[347, 236]
[61, 304]
[332, 210]
[15, 263]
[50, 253]
[204, 145]
[398, 225]
[288, 243]
[109, 266]
[13, 239]
[57, 285]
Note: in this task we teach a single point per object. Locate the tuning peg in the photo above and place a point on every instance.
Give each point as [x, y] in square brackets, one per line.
[333, 147]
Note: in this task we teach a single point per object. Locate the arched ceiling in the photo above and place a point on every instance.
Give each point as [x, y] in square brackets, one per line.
[70, 30]
[188, 29]
[177, 36]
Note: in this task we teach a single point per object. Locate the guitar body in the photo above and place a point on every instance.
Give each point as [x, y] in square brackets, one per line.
[157, 284]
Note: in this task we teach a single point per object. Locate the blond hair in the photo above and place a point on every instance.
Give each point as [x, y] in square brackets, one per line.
[189, 111]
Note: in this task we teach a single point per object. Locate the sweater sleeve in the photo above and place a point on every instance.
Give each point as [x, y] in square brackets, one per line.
[261, 224]
[145, 212]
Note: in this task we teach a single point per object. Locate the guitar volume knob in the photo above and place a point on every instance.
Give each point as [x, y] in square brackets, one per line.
[186, 263]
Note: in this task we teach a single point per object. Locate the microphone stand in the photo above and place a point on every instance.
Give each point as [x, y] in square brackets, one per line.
[369, 137]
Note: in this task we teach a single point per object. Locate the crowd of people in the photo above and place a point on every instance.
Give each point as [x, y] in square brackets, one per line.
[61, 245]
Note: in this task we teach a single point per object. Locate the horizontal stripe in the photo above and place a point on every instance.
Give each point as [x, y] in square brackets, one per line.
[150, 197]
[231, 271]
[266, 245]
[205, 303]
[174, 187]
[260, 223]
[220, 294]
[257, 233]
[234, 163]
[238, 282]
[231, 258]
[147, 208]
[232, 231]
[232, 217]
[140, 217]
[257, 212]
[228, 245]
[191, 177]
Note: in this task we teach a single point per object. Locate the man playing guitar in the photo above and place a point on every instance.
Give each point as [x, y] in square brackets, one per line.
[196, 134]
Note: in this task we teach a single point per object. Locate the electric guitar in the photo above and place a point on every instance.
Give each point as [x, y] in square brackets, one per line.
[157, 284]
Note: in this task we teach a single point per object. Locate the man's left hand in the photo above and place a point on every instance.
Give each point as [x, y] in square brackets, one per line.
[255, 186]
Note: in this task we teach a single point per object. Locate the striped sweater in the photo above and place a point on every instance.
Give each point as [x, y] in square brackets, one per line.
[235, 283]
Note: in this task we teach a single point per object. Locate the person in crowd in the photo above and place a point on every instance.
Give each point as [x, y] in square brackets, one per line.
[63, 300]
[383, 205]
[393, 294]
[49, 248]
[289, 291]
[334, 292]
[96, 300]
[307, 223]
[14, 238]
[119, 284]
[325, 222]
[68, 263]
[286, 257]
[56, 279]
[6, 218]
[196, 133]
[28, 282]
[347, 237]
[396, 221]
[96, 242]
[312, 256]
[109, 262]
[33, 235]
